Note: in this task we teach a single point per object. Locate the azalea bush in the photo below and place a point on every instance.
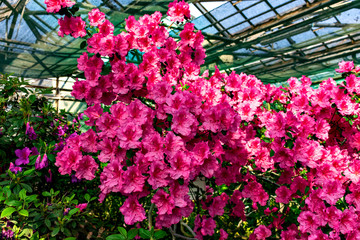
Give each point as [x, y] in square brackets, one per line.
[209, 156]
[30, 128]
[31, 132]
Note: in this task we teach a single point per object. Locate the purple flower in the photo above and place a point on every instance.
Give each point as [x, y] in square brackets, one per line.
[74, 179]
[59, 146]
[30, 132]
[14, 169]
[34, 151]
[7, 234]
[66, 211]
[49, 179]
[80, 116]
[23, 156]
[61, 131]
[41, 163]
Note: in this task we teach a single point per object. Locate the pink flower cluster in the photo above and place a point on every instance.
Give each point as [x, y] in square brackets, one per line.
[53, 6]
[178, 11]
[73, 26]
[167, 126]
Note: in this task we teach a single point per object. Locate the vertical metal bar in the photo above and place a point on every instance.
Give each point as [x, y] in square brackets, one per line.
[57, 95]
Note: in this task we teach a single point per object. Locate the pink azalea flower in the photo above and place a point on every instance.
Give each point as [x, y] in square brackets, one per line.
[158, 174]
[354, 196]
[290, 234]
[262, 232]
[208, 226]
[72, 25]
[111, 179]
[184, 122]
[96, 17]
[223, 234]
[88, 141]
[255, 192]
[348, 221]
[133, 180]
[353, 171]
[180, 165]
[108, 125]
[67, 160]
[80, 89]
[132, 210]
[129, 135]
[309, 221]
[318, 235]
[164, 202]
[283, 195]
[178, 11]
[332, 191]
[93, 113]
[53, 6]
[180, 194]
[332, 217]
[81, 206]
[86, 168]
[345, 66]
[218, 204]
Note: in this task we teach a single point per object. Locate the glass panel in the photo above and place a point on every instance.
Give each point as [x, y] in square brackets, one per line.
[256, 10]
[201, 22]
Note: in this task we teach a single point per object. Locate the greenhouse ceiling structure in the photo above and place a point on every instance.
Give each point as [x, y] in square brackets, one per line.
[272, 39]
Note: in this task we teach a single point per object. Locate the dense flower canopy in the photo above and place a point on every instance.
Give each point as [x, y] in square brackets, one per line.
[159, 126]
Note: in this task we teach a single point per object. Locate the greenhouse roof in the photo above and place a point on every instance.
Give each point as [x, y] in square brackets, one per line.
[272, 39]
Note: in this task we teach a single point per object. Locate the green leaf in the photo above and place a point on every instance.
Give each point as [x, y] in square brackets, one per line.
[46, 194]
[144, 233]
[51, 157]
[55, 232]
[13, 203]
[27, 187]
[24, 212]
[70, 238]
[7, 191]
[132, 233]
[115, 237]
[272, 153]
[5, 182]
[83, 45]
[32, 98]
[122, 231]
[73, 211]
[7, 212]
[28, 172]
[87, 197]
[160, 234]
[35, 236]
[22, 194]
[47, 223]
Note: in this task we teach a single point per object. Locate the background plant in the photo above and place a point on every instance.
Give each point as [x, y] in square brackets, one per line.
[213, 155]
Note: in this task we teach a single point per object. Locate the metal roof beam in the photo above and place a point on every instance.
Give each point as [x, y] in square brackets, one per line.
[283, 21]
[327, 55]
[324, 14]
